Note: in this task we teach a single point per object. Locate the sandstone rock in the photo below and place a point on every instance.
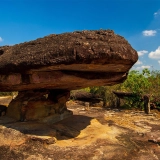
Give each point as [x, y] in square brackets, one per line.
[39, 105]
[56, 64]
[87, 136]
[154, 137]
[66, 61]
[85, 96]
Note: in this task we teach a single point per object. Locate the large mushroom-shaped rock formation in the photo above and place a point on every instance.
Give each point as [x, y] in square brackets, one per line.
[45, 70]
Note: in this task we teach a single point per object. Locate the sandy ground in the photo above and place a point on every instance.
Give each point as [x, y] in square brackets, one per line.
[94, 134]
[5, 100]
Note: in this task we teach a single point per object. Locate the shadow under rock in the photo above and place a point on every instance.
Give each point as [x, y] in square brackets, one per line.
[65, 129]
[72, 126]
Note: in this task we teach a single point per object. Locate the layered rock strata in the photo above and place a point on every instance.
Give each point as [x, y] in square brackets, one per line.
[65, 62]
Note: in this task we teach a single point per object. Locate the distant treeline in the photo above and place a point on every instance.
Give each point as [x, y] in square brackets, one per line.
[141, 83]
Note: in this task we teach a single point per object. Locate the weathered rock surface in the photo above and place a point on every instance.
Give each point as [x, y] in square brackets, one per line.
[97, 134]
[66, 61]
[56, 64]
[44, 106]
[84, 96]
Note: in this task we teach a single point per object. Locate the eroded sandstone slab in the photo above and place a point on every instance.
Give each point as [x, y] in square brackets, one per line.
[66, 61]
[61, 62]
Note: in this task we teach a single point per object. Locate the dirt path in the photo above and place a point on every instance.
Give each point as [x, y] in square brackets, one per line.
[94, 134]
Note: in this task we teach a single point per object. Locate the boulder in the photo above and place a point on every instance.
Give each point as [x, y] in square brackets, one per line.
[66, 61]
[85, 96]
[62, 62]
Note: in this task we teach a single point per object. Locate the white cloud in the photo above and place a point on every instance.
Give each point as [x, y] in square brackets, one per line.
[157, 13]
[138, 62]
[159, 62]
[1, 39]
[142, 67]
[141, 53]
[138, 68]
[155, 54]
[149, 33]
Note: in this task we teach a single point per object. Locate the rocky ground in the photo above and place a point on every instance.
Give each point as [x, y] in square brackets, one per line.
[90, 134]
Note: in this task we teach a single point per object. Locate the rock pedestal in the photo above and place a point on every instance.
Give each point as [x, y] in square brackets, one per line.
[41, 105]
[58, 63]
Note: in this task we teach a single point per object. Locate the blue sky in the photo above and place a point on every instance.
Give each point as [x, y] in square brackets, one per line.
[136, 20]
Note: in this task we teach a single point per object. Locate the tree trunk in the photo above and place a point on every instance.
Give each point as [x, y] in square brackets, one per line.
[117, 102]
[146, 104]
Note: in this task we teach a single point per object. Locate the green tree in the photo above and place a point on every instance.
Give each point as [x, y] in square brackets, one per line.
[138, 83]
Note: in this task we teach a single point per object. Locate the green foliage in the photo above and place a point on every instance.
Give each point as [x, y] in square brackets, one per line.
[5, 93]
[86, 89]
[137, 82]
[100, 91]
[8, 94]
[133, 102]
[105, 92]
[155, 81]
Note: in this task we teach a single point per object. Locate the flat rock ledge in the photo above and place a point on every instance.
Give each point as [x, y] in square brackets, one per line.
[45, 70]
[66, 61]
[96, 133]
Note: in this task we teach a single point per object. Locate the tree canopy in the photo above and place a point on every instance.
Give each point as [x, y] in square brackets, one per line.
[138, 82]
